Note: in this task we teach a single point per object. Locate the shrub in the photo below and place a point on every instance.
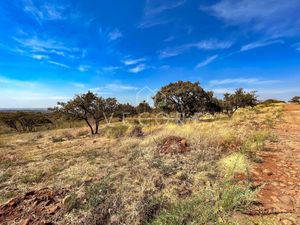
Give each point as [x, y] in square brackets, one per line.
[117, 131]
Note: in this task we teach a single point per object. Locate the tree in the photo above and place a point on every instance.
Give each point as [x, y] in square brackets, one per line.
[24, 121]
[144, 107]
[186, 98]
[295, 99]
[124, 110]
[88, 107]
[239, 99]
[213, 105]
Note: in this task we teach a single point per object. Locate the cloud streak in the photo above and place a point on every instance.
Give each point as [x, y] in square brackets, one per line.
[260, 44]
[202, 45]
[59, 64]
[153, 12]
[207, 61]
[272, 17]
[241, 81]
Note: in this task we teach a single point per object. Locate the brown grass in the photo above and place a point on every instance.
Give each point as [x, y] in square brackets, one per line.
[118, 167]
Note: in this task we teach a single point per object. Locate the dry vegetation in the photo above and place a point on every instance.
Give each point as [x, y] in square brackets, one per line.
[121, 177]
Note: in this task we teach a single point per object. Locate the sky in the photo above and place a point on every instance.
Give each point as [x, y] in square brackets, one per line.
[51, 50]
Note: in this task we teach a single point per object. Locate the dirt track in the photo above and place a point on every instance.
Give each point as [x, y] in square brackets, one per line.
[279, 174]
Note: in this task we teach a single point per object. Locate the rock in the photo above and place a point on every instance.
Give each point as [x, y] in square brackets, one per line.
[268, 172]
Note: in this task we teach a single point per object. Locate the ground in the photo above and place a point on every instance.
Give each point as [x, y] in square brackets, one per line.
[218, 170]
[279, 174]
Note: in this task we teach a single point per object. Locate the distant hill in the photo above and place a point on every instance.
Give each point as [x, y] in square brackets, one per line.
[23, 110]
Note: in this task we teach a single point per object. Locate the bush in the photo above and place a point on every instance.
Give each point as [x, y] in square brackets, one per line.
[117, 131]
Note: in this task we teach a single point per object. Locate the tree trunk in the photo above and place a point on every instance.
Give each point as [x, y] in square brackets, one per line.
[88, 123]
[97, 127]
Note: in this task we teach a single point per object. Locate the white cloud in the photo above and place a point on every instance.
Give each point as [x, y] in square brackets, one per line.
[59, 64]
[38, 45]
[202, 45]
[129, 62]
[83, 68]
[260, 44]
[241, 81]
[272, 17]
[137, 69]
[113, 87]
[207, 61]
[153, 12]
[43, 11]
[39, 57]
[114, 35]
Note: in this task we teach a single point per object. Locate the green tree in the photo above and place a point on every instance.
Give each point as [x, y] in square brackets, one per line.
[239, 99]
[143, 107]
[88, 107]
[185, 98]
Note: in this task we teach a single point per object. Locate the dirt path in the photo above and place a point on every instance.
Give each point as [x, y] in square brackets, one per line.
[280, 171]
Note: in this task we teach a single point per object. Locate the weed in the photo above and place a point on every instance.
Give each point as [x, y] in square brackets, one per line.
[234, 163]
[5, 176]
[35, 177]
[96, 193]
[70, 202]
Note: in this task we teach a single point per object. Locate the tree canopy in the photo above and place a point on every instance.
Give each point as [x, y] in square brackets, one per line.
[238, 99]
[88, 107]
[186, 98]
[295, 99]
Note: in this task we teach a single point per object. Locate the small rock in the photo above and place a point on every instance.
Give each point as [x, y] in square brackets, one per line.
[268, 172]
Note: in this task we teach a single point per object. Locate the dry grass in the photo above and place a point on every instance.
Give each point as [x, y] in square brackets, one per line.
[117, 167]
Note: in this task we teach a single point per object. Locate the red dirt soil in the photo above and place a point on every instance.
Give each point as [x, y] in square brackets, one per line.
[174, 145]
[279, 174]
[39, 207]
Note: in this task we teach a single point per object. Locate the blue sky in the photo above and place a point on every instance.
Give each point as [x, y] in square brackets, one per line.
[51, 50]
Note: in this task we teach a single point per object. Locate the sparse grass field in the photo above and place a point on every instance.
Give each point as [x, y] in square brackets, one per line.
[119, 178]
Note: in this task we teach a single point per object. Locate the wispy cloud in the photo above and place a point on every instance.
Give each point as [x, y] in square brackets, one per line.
[203, 45]
[241, 81]
[271, 17]
[260, 44]
[113, 87]
[83, 68]
[59, 64]
[43, 11]
[138, 68]
[131, 61]
[115, 34]
[36, 44]
[207, 61]
[153, 12]
[39, 57]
